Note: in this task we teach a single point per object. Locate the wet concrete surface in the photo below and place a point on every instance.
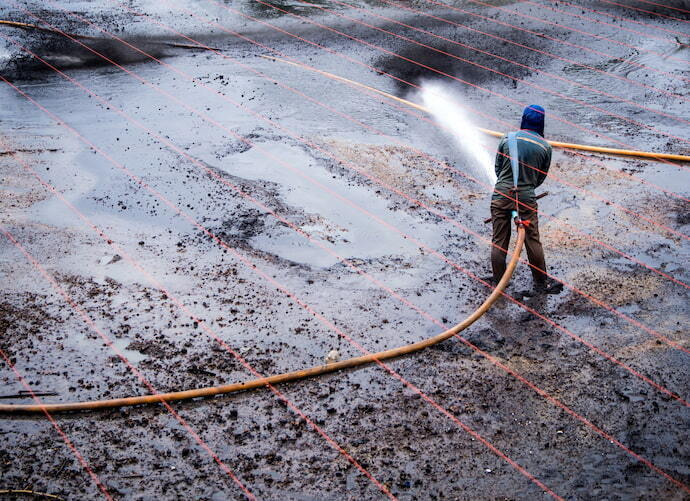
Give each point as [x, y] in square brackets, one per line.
[303, 172]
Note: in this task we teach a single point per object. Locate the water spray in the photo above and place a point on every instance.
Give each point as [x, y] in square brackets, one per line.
[556, 144]
[441, 103]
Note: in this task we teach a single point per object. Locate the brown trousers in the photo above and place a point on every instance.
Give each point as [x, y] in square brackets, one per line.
[501, 217]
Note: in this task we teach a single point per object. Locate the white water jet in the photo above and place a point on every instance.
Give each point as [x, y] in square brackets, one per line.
[455, 122]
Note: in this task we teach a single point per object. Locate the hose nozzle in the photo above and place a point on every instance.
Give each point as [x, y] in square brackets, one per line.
[518, 221]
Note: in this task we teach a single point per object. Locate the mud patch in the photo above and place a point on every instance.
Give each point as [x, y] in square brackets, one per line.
[671, 212]
[243, 225]
[557, 237]
[588, 171]
[27, 318]
[66, 54]
[468, 65]
[18, 190]
[405, 170]
[287, 7]
[618, 288]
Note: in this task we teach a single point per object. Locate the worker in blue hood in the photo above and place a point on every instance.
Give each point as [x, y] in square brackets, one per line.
[533, 162]
[533, 119]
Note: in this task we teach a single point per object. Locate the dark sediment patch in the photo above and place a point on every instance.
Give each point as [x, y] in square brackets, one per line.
[472, 63]
[64, 53]
[288, 6]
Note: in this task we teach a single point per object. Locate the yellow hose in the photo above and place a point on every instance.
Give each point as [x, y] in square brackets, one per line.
[556, 144]
[289, 376]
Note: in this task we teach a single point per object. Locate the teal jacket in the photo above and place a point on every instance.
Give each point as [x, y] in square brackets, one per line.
[533, 151]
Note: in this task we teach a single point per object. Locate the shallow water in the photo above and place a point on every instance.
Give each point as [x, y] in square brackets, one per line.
[402, 440]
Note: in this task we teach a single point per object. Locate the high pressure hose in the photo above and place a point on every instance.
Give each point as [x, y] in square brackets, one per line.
[555, 144]
[289, 376]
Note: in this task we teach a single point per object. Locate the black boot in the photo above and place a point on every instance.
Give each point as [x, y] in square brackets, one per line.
[548, 286]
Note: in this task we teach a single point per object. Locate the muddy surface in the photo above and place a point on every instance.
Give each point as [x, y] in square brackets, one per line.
[161, 287]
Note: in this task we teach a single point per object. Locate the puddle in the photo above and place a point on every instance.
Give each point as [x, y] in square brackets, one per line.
[348, 231]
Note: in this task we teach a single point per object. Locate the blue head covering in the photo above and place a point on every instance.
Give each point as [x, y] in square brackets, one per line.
[533, 119]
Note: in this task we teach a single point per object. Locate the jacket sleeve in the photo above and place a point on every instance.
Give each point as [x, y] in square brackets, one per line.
[541, 176]
[500, 156]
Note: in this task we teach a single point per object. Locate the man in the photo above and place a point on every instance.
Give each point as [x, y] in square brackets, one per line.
[533, 160]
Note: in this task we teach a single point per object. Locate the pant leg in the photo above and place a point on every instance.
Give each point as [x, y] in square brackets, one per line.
[535, 251]
[500, 217]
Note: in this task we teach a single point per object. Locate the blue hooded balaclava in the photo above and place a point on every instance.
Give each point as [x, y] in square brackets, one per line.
[533, 119]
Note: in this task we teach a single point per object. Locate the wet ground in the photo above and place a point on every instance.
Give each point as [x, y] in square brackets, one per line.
[159, 286]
